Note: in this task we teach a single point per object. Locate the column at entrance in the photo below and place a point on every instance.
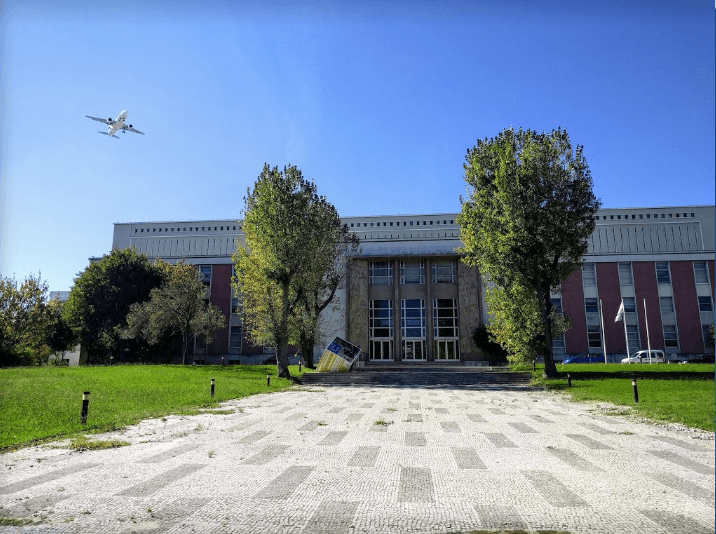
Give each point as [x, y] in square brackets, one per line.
[397, 314]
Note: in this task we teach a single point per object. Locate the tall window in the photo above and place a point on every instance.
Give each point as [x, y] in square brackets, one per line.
[662, 272]
[412, 272]
[558, 345]
[412, 322]
[235, 338]
[633, 336]
[705, 304]
[625, 276]
[445, 334]
[629, 304]
[594, 336]
[381, 273]
[589, 274]
[381, 330]
[591, 306]
[706, 332]
[666, 304]
[557, 304]
[443, 272]
[671, 339]
[206, 273]
[701, 273]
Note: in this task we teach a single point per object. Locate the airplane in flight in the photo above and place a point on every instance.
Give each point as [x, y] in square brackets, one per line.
[116, 125]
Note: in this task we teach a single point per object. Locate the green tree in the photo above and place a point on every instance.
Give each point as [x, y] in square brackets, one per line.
[178, 306]
[527, 218]
[27, 321]
[287, 269]
[100, 299]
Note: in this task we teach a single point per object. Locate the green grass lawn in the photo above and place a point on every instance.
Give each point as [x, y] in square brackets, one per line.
[667, 392]
[41, 403]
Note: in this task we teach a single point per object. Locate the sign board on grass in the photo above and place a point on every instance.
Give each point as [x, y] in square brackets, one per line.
[338, 356]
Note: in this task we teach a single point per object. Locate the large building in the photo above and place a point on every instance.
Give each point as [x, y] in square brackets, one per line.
[409, 297]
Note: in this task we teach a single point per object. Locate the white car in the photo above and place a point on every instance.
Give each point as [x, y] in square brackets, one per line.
[657, 356]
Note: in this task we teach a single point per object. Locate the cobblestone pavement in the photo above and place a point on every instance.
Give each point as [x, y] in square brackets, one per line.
[315, 461]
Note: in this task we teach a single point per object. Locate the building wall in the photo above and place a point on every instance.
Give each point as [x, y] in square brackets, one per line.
[647, 291]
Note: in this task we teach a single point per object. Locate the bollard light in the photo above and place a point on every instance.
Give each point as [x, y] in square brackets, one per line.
[569, 380]
[636, 393]
[85, 407]
[268, 380]
[299, 366]
[212, 388]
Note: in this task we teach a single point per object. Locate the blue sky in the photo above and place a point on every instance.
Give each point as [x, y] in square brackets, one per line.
[377, 102]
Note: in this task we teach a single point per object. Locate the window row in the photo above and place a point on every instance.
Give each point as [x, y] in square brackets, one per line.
[412, 319]
[626, 277]
[641, 216]
[397, 223]
[191, 229]
[413, 272]
[666, 305]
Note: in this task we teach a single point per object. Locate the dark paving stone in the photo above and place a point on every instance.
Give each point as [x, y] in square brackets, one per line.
[169, 453]
[296, 416]
[308, 427]
[450, 426]
[355, 417]
[254, 437]
[267, 454]
[416, 485]
[158, 482]
[178, 510]
[336, 410]
[414, 405]
[27, 507]
[476, 418]
[686, 487]
[572, 459]
[44, 478]
[500, 440]
[364, 457]
[467, 458]
[332, 517]
[588, 442]
[683, 462]
[441, 410]
[333, 438]
[415, 439]
[556, 493]
[244, 425]
[596, 428]
[679, 443]
[675, 523]
[285, 484]
[415, 418]
[497, 411]
[523, 428]
[540, 419]
[499, 517]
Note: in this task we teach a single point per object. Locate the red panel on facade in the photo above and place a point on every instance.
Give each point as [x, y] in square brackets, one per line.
[575, 340]
[686, 306]
[645, 288]
[610, 294]
[221, 297]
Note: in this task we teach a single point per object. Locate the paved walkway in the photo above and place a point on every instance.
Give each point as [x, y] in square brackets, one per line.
[314, 461]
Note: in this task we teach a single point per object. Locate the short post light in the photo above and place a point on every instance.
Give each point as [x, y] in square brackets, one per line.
[569, 380]
[212, 388]
[633, 387]
[85, 407]
[268, 381]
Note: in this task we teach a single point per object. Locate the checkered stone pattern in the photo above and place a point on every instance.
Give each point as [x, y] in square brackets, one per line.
[448, 460]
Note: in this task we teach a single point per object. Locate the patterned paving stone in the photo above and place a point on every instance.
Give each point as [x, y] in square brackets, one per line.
[555, 493]
[675, 523]
[415, 418]
[476, 418]
[540, 419]
[442, 410]
[679, 443]
[588, 442]
[283, 486]
[497, 411]
[499, 516]
[355, 417]
[523, 428]
[450, 426]
[572, 459]
[158, 482]
[683, 462]
[416, 485]
[255, 436]
[500, 440]
[244, 425]
[296, 416]
[308, 427]
[333, 438]
[415, 439]
[687, 487]
[467, 458]
[332, 517]
[596, 428]
[267, 454]
[169, 453]
[365, 456]
[35, 481]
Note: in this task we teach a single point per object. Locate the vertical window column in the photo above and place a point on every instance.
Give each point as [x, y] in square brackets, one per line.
[445, 330]
[412, 322]
[381, 330]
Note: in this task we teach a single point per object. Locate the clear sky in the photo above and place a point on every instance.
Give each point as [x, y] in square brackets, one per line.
[376, 101]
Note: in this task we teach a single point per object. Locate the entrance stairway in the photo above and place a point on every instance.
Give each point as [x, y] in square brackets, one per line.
[421, 375]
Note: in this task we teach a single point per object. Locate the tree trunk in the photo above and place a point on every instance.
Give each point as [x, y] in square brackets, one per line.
[184, 343]
[306, 344]
[282, 336]
[550, 369]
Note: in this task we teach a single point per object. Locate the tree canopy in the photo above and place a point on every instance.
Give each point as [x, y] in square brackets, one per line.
[100, 299]
[526, 220]
[178, 306]
[288, 267]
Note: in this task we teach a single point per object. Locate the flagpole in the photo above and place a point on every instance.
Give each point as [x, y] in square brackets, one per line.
[648, 342]
[626, 337]
[604, 336]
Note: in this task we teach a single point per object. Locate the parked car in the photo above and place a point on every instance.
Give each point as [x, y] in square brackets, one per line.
[585, 358]
[705, 358]
[657, 356]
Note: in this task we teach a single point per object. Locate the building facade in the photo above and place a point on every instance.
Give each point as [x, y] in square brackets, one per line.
[409, 297]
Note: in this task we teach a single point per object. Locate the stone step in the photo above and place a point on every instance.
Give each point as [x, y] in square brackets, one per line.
[415, 378]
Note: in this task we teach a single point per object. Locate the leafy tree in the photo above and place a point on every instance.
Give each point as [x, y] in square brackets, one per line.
[288, 268]
[100, 299]
[27, 321]
[177, 307]
[526, 221]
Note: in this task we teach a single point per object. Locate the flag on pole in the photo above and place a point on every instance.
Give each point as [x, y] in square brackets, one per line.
[620, 313]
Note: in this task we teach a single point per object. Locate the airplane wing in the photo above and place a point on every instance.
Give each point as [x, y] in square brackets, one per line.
[106, 121]
[129, 128]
